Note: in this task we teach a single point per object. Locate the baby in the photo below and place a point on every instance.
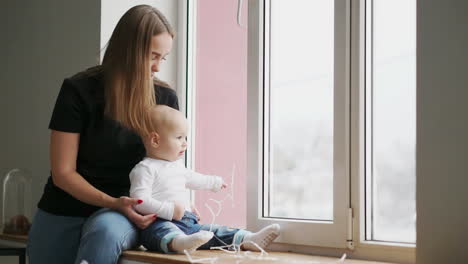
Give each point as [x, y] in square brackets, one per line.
[162, 182]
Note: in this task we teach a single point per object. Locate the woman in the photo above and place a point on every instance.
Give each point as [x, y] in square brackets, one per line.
[84, 212]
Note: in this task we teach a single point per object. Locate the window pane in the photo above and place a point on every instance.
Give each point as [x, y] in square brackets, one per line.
[391, 119]
[300, 145]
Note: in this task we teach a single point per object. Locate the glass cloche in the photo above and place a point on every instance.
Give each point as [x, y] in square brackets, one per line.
[16, 202]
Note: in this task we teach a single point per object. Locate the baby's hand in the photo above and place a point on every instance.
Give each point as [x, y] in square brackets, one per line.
[224, 186]
[195, 212]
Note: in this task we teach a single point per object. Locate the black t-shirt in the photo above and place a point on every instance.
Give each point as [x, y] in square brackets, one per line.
[107, 151]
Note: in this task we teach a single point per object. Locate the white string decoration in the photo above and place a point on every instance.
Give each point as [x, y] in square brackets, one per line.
[235, 250]
[220, 203]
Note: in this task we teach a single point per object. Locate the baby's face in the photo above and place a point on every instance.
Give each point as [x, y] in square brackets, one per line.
[173, 141]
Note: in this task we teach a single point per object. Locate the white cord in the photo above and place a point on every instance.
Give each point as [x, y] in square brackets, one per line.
[239, 12]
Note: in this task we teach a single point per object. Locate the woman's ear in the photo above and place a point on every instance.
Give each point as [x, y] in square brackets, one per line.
[154, 139]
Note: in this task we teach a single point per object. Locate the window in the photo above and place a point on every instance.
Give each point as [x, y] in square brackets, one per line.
[299, 140]
[331, 121]
[391, 120]
[299, 107]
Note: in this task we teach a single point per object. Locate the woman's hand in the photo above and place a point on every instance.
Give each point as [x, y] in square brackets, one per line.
[125, 206]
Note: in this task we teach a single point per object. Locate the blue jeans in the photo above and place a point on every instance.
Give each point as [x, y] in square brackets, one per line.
[160, 233]
[100, 238]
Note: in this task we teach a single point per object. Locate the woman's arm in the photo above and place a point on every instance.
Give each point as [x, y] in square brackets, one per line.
[63, 156]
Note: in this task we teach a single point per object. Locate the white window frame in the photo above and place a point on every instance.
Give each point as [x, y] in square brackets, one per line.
[353, 71]
[187, 32]
[186, 68]
[325, 233]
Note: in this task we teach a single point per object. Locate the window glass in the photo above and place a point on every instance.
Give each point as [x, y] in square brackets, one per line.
[300, 122]
[391, 120]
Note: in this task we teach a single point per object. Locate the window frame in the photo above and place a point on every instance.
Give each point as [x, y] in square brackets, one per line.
[187, 12]
[304, 232]
[360, 248]
[368, 125]
[383, 251]
[187, 68]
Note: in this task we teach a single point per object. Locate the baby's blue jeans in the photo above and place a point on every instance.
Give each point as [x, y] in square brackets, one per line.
[160, 233]
[99, 239]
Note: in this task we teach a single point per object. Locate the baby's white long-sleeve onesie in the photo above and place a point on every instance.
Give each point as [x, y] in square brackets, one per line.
[159, 183]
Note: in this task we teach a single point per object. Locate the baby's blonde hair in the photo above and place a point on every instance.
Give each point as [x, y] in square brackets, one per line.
[160, 117]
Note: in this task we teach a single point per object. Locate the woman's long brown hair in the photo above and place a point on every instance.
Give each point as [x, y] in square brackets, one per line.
[129, 88]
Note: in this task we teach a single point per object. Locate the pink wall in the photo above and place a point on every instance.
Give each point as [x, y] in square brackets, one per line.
[221, 105]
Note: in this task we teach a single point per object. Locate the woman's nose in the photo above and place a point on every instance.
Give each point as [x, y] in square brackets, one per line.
[155, 67]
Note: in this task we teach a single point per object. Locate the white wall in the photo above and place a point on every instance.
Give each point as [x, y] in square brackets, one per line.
[42, 42]
[442, 132]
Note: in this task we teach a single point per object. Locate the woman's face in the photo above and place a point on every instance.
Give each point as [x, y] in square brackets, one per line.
[161, 45]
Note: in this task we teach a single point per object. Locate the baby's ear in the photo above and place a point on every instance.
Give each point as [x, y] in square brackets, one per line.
[154, 139]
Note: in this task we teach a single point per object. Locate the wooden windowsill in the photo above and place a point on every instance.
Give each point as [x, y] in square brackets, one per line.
[156, 258]
[226, 258]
